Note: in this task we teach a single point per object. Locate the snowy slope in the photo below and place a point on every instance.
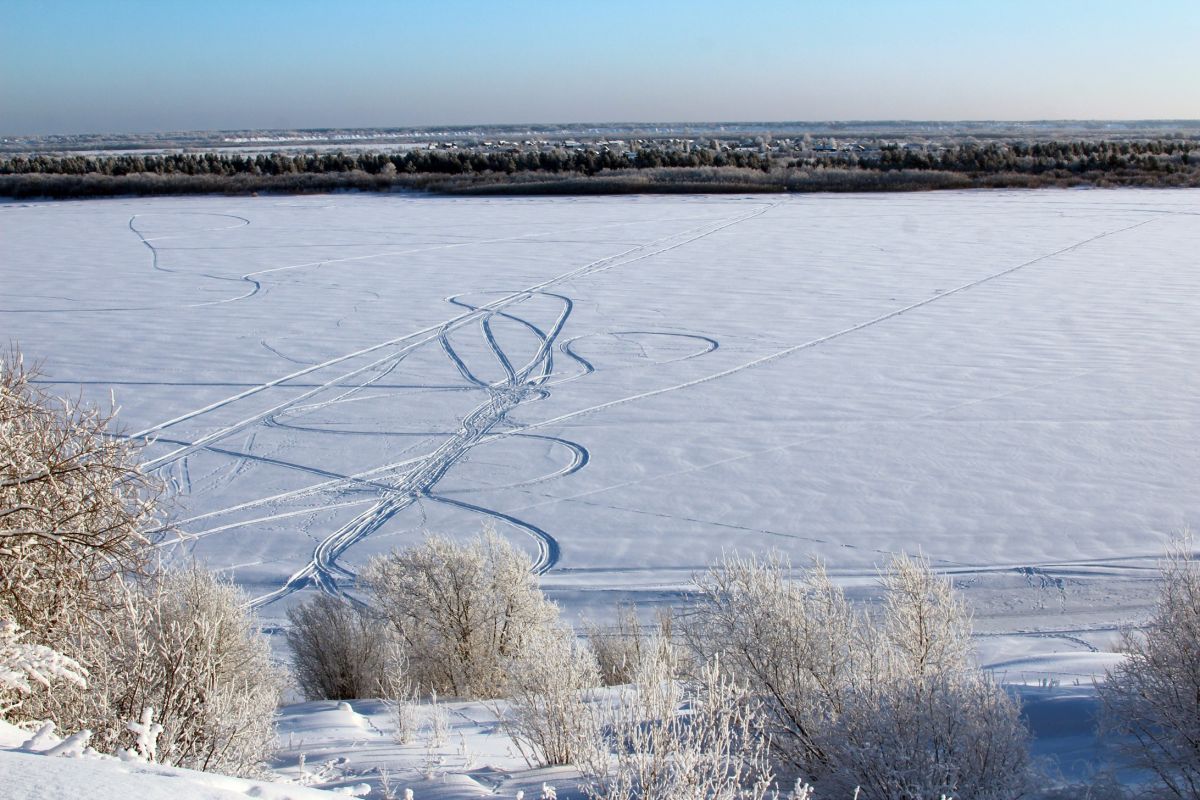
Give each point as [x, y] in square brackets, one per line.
[28, 773]
[352, 747]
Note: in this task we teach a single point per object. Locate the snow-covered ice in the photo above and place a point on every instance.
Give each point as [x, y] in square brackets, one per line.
[1002, 381]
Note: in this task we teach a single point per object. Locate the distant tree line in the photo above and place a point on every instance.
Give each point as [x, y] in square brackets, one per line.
[436, 162]
[1033, 158]
[656, 167]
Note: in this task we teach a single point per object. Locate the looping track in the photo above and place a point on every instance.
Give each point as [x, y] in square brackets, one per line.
[394, 487]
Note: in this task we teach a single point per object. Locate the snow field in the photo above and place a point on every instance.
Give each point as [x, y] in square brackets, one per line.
[1002, 381]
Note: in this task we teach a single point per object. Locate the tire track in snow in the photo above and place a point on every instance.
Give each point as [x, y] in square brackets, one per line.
[518, 387]
[323, 570]
[649, 250]
[828, 337]
[422, 474]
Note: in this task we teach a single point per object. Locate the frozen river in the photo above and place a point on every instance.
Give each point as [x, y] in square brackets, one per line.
[1005, 382]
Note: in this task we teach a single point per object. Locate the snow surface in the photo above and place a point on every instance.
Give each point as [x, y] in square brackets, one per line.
[351, 747]
[1003, 381]
[29, 773]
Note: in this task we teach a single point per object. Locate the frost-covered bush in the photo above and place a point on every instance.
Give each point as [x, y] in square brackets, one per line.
[73, 506]
[404, 707]
[461, 612]
[792, 642]
[174, 649]
[621, 648]
[1153, 696]
[341, 651]
[923, 721]
[183, 645]
[660, 738]
[548, 696]
[25, 664]
[890, 703]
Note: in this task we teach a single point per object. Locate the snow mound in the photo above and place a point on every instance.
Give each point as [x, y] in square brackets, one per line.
[35, 774]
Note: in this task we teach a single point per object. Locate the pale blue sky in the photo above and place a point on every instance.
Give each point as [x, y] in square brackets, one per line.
[71, 66]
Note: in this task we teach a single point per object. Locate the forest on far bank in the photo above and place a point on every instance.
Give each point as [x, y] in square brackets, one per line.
[648, 167]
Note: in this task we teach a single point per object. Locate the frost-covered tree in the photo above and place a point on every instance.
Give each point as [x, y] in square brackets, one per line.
[696, 739]
[890, 704]
[182, 645]
[24, 665]
[174, 649]
[548, 695]
[461, 611]
[794, 642]
[1153, 696]
[73, 506]
[923, 721]
[341, 651]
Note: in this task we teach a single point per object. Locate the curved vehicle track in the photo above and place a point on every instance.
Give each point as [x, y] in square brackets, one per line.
[525, 377]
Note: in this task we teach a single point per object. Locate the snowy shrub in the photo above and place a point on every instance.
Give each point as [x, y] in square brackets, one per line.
[660, 738]
[22, 662]
[183, 646]
[891, 704]
[793, 642]
[924, 721]
[620, 649]
[173, 650]
[1153, 696]
[341, 651]
[547, 696]
[73, 506]
[437, 723]
[404, 707]
[460, 611]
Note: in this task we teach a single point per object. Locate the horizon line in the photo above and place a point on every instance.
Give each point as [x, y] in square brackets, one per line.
[629, 123]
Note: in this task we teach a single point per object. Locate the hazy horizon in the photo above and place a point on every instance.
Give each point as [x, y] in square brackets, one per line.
[630, 123]
[145, 67]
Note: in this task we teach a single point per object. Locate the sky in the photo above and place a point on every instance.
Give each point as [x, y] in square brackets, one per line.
[69, 66]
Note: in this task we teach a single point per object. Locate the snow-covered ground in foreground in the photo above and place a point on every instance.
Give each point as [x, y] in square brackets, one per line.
[1002, 381]
[475, 758]
[30, 771]
[352, 748]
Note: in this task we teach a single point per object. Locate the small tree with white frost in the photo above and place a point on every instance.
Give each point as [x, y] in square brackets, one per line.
[1153, 696]
[924, 721]
[796, 643]
[73, 507]
[890, 706]
[661, 738]
[548, 697]
[461, 612]
[183, 646]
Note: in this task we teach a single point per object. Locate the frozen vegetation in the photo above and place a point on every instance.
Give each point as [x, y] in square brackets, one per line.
[633, 389]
